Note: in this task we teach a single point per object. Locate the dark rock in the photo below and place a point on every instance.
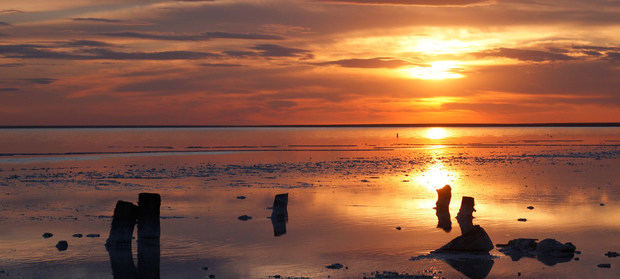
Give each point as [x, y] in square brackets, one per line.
[78, 235]
[606, 265]
[476, 240]
[47, 235]
[602, 204]
[548, 251]
[241, 197]
[530, 207]
[211, 276]
[244, 217]
[62, 245]
[611, 254]
[522, 220]
[205, 268]
[335, 266]
[93, 235]
[399, 228]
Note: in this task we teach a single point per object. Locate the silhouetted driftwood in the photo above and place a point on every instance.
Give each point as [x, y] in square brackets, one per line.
[148, 215]
[123, 222]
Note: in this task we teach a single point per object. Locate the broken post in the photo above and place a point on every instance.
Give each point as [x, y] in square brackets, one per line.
[280, 204]
[279, 215]
[444, 195]
[465, 216]
[123, 222]
[148, 215]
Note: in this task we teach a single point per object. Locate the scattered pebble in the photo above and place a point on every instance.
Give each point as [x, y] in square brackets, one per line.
[79, 235]
[398, 228]
[576, 258]
[211, 276]
[335, 266]
[530, 207]
[364, 180]
[47, 235]
[241, 197]
[244, 217]
[611, 254]
[606, 265]
[205, 268]
[62, 245]
[521, 219]
[93, 235]
[602, 204]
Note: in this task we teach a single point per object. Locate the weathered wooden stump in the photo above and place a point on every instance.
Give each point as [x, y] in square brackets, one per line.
[465, 216]
[148, 258]
[148, 216]
[444, 195]
[279, 215]
[123, 222]
[280, 204]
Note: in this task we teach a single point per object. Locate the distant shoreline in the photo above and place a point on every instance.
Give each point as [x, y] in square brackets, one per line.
[447, 125]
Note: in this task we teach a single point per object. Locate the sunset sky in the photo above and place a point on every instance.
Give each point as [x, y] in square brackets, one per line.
[245, 62]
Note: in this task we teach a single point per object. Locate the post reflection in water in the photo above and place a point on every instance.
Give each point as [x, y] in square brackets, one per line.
[121, 260]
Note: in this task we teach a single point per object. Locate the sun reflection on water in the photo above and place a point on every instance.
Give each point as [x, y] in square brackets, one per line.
[436, 176]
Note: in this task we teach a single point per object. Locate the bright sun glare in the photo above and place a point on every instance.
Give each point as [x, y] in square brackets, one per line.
[436, 70]
[436, 133]
[435, 177]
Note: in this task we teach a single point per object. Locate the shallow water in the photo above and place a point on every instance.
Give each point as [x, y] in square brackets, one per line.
[349, 188]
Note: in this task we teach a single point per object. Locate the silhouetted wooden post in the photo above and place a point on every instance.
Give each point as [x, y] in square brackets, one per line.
[465, 216]
[279, 215]
[444, 195]
[280, 204]
[148, 215]
[123, 222]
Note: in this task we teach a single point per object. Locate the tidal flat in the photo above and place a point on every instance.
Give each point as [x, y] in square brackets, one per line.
[360, 200]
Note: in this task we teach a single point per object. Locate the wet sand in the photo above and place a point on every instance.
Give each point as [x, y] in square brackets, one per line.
[346, 199]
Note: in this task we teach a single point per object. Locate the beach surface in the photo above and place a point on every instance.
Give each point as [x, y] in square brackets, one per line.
[363, 198]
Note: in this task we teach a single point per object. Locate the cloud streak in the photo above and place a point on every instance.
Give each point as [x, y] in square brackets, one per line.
[193, 37]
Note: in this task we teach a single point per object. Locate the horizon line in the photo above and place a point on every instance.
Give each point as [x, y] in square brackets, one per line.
[386, 125]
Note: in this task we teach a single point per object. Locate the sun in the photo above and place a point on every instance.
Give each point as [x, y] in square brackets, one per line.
[436, 70]
[436, 133]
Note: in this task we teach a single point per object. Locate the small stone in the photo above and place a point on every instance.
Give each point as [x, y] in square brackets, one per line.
[606, 265]
[576, 258]
[364, 180]
[93, 235]
[47, 235]
[399, 228]
[241, 197]
[522, 220]
[205, 268]
[612, 254]
[211, 276]
[530, 207]
[78, 235]
[244, 217]
[335, 266]
[602, 204]
[277, 276]
[62, 245]
[578, 252]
